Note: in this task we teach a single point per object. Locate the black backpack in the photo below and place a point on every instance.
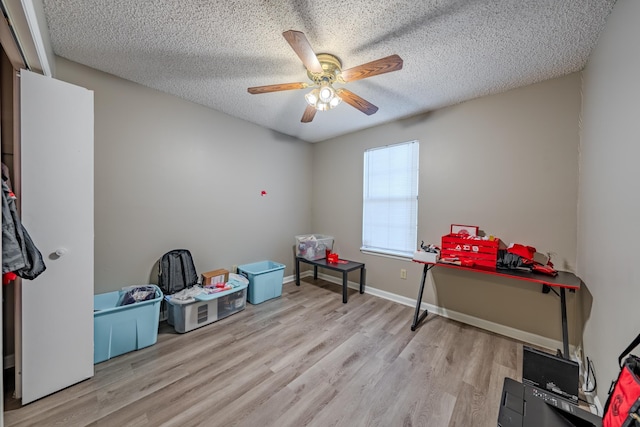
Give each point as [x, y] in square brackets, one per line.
[176, 271]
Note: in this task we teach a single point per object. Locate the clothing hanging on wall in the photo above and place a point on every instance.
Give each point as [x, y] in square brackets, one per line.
[20, 256]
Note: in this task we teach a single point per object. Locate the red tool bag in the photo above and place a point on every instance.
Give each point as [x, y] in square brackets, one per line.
[623, 404]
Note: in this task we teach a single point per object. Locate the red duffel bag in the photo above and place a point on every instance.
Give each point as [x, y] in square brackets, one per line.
[623, 404]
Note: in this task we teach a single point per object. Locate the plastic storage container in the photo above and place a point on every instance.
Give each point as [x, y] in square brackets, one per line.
[265, 280]
[120, 329]
[470, 251]
[313, 246]
[206, 309]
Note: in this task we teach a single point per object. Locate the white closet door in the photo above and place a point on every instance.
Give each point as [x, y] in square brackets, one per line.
[57, 211]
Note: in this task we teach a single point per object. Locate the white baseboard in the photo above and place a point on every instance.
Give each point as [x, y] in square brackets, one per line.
[598, 406]
[507, 331]
[594, 404]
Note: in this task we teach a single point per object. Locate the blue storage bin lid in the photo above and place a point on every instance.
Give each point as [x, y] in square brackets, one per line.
[207, 297]
[261, 267]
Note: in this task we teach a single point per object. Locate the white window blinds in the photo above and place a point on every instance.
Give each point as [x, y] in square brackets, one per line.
[390, 199]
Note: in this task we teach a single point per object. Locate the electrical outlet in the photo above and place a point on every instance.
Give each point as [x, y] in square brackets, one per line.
[403, 273]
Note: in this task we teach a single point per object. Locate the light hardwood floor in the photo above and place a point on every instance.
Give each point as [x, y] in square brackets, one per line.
[302, 359]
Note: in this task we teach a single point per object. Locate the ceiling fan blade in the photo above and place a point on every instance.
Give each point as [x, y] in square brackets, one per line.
[373, 68]
[276, 88]
[302, 47]
[357, 102]
[309, 114]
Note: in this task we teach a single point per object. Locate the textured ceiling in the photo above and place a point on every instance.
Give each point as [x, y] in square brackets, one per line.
[210, 52]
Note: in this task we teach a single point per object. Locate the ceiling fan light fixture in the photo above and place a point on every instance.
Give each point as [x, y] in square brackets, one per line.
[312, 97]
[326, 93]
[325, 69]
[323, 98]
[323, 106]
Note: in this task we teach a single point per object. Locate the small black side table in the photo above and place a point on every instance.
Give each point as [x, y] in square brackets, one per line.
[344, 266]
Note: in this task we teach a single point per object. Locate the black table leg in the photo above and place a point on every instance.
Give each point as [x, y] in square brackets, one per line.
[565, 332]
[344, 287]
[417, 317]
[344, 267]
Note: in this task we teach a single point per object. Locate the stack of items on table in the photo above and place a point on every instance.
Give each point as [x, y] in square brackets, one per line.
[192, 305]
[317, 246]
[313, 246]
[463, 246]
[429, 254]
[521, 257]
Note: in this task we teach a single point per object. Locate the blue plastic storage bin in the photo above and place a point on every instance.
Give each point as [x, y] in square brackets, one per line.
[265, 280]
[121, 329]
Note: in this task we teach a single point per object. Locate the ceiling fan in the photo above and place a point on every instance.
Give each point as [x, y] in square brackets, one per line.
[324, 70]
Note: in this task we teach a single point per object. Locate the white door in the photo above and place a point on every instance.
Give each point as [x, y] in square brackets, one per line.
[57, 211]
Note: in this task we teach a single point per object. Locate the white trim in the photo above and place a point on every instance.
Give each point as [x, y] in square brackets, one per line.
[292, 278]
[36, 35]
[401, 257]
[594, 403]
[598, 405]
[17, 322]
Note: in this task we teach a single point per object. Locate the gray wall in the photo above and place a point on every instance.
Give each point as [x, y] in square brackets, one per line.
[609, 230]
[507, 163]
[173, 174]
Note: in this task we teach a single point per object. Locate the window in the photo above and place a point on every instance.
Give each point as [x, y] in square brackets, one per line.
[390, 199]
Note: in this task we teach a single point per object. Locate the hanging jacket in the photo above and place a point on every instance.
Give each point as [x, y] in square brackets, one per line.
[12, 237]
[19, 253]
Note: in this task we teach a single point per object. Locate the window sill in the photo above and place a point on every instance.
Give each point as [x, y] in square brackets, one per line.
[392, 255]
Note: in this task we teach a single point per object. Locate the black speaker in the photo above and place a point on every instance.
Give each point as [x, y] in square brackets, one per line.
[552, 373]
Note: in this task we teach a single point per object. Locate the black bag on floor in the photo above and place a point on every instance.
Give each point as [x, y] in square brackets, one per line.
[176, 271]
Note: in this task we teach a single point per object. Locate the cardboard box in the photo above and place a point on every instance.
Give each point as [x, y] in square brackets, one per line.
[212, 278]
